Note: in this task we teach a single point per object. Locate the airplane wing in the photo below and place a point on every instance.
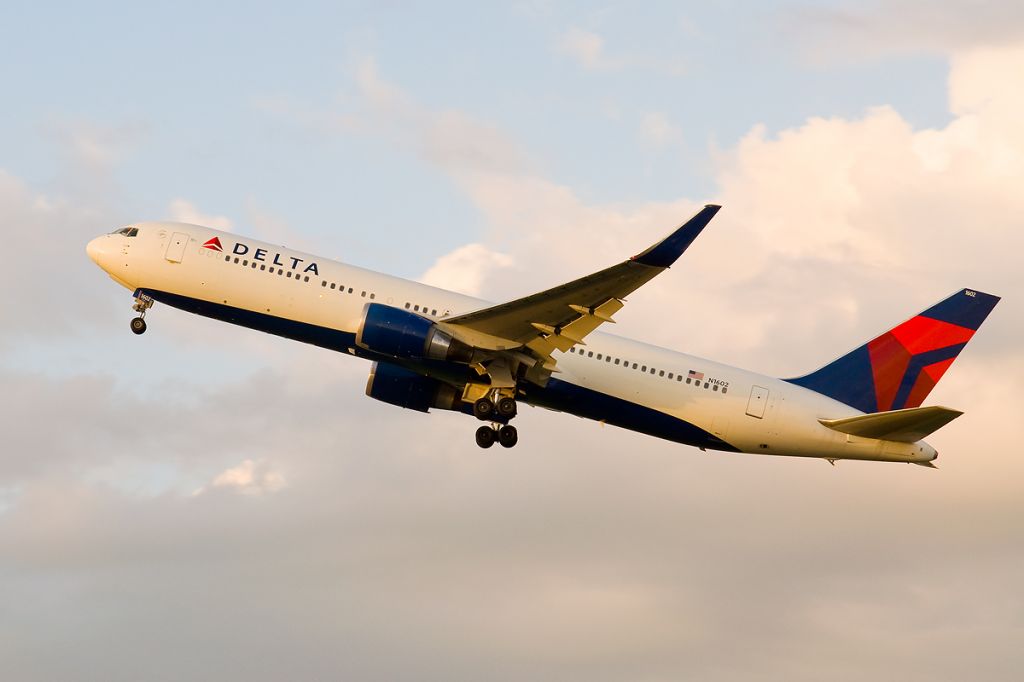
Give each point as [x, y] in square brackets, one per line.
[562, 316]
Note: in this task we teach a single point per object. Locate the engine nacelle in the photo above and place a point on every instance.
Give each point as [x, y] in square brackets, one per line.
[396, 386]
[402, 334]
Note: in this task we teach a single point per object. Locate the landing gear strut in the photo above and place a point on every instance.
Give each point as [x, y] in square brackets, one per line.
[498, 412]
[484, 409]
[142, 304]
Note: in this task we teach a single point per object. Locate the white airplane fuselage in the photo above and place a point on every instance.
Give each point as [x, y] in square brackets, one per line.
[613, 379]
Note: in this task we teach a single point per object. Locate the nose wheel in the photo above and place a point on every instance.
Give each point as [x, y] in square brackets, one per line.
[143, 303]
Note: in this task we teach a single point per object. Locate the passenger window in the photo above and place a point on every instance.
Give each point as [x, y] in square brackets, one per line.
[644, 368]
[705, 384]
[416, 307]
[407, 304]
[364, 294]
[373, 296]
[263, 267]
[236, 260]
[661, 373]
[289, 274]
[607, 358]
[332, 285]
[652, 370]
[634, 365]
[724, 389]
[598, 356]
[245, 263]
[679, 377]
[715, 387]
[616, 361]
[280, 271]
[350, 290]
[227, 259]
[323, 283]
[590, 354]
[670, 376]
[433, 312]
[687, 379]
[306, 278]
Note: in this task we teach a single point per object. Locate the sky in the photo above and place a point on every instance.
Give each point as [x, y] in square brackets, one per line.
[210, 502]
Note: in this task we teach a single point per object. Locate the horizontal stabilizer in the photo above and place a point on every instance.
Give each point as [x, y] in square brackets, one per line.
[906, 426]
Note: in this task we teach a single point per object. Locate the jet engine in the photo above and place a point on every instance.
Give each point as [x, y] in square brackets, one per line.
[397, 386]
[402, 334]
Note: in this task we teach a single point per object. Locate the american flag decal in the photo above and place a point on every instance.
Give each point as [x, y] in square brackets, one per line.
[699, 376]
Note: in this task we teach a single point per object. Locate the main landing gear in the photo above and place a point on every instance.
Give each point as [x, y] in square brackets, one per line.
[142, 304]
[506, 435]
[498, 413]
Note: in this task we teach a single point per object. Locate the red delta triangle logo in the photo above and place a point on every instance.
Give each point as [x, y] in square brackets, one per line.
[213, 244]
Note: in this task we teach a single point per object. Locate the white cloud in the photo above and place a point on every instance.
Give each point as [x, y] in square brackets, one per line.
[184, 211]
[465, 269]
[657, 129]
[586, 47]
[395, 533]
[876, 28]
[248, 477]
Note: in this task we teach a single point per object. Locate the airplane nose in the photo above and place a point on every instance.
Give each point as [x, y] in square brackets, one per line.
[95, 250]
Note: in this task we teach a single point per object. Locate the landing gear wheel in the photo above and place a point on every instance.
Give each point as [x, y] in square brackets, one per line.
[507, 436]
[485, 436]
[506, 408]
[483, 409]
[138, 325]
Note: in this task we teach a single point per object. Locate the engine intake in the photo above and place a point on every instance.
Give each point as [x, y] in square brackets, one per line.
[397, 386]
[401, 334]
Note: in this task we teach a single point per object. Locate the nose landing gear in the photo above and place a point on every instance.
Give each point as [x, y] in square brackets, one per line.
[143, 302]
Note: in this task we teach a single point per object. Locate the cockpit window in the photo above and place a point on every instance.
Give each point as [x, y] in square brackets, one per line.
[127, 231]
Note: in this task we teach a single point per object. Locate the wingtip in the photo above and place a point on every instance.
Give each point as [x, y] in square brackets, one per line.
[668, 250]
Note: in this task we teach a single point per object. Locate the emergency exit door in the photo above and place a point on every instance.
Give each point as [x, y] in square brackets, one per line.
[757, 402]
[176, 249]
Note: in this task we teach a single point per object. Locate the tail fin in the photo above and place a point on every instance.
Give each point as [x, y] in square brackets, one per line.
[899, 369]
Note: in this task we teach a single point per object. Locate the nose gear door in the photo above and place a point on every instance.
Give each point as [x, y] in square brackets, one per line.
[176, 249]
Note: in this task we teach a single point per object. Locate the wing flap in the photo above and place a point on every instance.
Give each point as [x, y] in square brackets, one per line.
[905, 426]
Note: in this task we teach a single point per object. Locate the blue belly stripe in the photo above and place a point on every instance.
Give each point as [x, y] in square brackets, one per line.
[558, 395]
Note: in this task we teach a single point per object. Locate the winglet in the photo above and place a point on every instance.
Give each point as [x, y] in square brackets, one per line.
[668, 250]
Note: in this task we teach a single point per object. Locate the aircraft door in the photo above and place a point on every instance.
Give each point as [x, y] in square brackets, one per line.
[176, 249]
[757, 402]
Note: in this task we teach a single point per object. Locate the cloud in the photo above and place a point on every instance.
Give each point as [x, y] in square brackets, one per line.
[399, 550]
[181, 210]
[249, 478]
[586, 47]
[49, 233]
[874, 29]
[464, 269]
[657, 130]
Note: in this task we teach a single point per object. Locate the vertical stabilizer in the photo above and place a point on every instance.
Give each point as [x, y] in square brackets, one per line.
[899, 369]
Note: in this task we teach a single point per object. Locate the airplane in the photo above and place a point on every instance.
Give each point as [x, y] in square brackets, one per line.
[437, 349]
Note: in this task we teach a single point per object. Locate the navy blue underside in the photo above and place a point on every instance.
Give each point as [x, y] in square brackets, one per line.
[558, 395]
